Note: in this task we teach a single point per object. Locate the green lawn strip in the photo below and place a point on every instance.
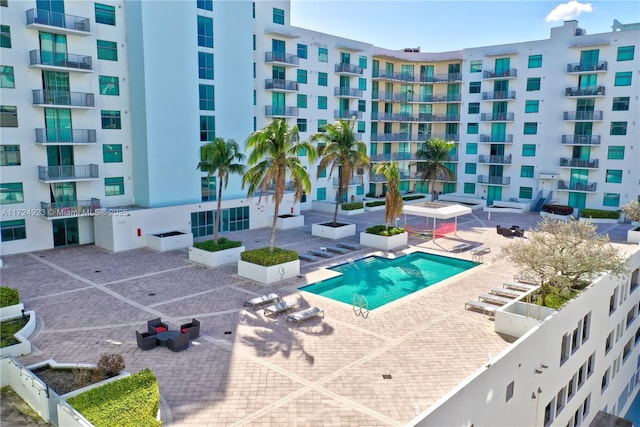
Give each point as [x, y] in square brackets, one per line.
[9, 328]
[223, 243]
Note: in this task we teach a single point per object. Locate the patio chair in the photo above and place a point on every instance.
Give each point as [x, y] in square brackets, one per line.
[146, 340]
[281, 307]
[192, 328]
[157, 325]
[304, 315]
[307, 257]
[261, 301]
[320, 253]
[179, 343]
[350, 246]
[461, 247]
[337, 250]
[484, 307]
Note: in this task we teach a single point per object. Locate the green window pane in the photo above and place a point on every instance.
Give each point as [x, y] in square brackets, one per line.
[623, 79]
[107, 50]
[207, 97]
[105, 14]
[471, 148]
[618, 128]
[470, 168]
[362, 84]
[474, 87]
[114, 186]
[362, 126]
[302, 51]
[321, 124]
[207, 128]
[616, 152]
[7, 79]
[205, 31]
[322, 173]
[535, 61]
[611, 199]
[321, 194]
[10, 155]
[205, 65]
[525, 193]
[469, 188]
[362, 105]
[620, 103]
[323, 54]
[362, 62]
[322, 79]
[5, 36]
[472, 128]
[8, 116]
[109, 85]
[625, 53]
[11, 193]
[110, 119]
[302, 125]
[278, 16]
[112, 153]
[530, 128]
[528, 150]
[322, 102]
[531, 106]
[614, 176]
[302, 101]
[302, 76]
[207, 5]
[475, 66]
[533, 83]
[526, 171]
[13, 230]
[474, 108]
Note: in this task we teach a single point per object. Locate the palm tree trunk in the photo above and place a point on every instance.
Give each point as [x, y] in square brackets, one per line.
[277, 198]
[338, 195]
[216, 225]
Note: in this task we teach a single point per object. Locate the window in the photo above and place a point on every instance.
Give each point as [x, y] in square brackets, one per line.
[535, 61]
[362, 105]
[608, 343]
[8, 116]
[114, 186]
[509, 391]
[323, 54]
[475, 67]
[11, 193]
[625, 53]
[611, 199]
[470, 168]
[321, 193]
[586, 327]
[616, 152]
[362, 126]
[531, 106]
[6, 77]
[207, 128]
[362, 84]
[618, 128]
[5, 36]
[474, 108]
[301, 76]
[207, 98]
[533, 83]
[206, 5]
[302, 51]
[614, 175]
[322, 102]
[254, 41]
[109, 85]
[474, 87]
[302, 125]
[13, 230]
[528, 150]
[526, 193]
[530, 128]
[107, 50]
[10, 155]
[362, 62]
[205, 31]
[526, 171]
[302, 101]
[321, 173]
[623, 79]
[112, 153]
[472, 128]
[278, 16]
[469, 188]
[605, 380]
[321, 124]
[110, 119]
[4, 3]
[205, 65]
[105, 14]
[471, 148]
[620, 103]
[322, 79]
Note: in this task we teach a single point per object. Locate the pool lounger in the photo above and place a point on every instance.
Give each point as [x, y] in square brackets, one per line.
[281, 307]
[322, 254]
[481, 250]
[350, 246]
[484, 307]
[262, 300]
[461, 247]
[494, 299]
[303, 315]
[337, 250]
[503, 292]
[518, 286]
[307, 257]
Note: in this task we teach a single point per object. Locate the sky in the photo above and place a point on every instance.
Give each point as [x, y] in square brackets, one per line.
[438, 26]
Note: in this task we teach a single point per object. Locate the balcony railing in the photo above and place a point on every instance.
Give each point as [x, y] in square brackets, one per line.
[414, 98]
[71, 208]
[280, 84]
[492, 74]
[65, 136]
[61, 97]
[280, 111]
[356, 180]
[494, 180]
[43, 59]
[581, 139]
[424, 117]
[498, 95]
[349, 69]
[582, 115]
[496, 117]
[347, 92]
[593, 66]
[67, 173]
[578, 163]
[73, 23]
[347, 114]
[504, 160]
[438, 78]
[381, 157]
[585, 91]
[590, 187]
[281, 57]
[497, 138]
[382, 178]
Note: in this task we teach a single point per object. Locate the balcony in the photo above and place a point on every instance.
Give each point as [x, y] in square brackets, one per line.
[53, 61]
[55, 22]
[581, 139]
[577, 116]
[494, 180]
[414, 98]
[349, 69]
[67, 173]
[585, 188]
[356, 180]
[578, 163]
[584, 91]
[63, 99]
[381, 178]
[496, 117]
[403, 155]
[347, 92]
[70, 209]
[501, 139]
[59, 136]
[499, 95]
[455, 137]
[438, 78]
[587, 68]
[281, 58]
[500, 160]
[505, 74]
[280, 84]
[280, 111]
[381, 157]
[347, 114]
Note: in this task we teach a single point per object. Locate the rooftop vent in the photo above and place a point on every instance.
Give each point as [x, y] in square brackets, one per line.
[412, 49]
[580, 32]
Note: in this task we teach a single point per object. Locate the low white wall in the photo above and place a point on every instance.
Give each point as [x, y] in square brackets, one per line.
[288, 223]
[215, 259]
[270, 274]
[169, 243]
[633, 235]
[333, 233]
[24, 345]
[599, 220]
[384, 243]
[518, 318]
[29, 387]
[69, 417]
[473, 202]
[11, 310]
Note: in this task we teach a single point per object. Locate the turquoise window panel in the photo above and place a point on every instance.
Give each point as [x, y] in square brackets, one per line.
[303, 51]
[322, 79]
[470, 168]
[301, 76]
[10, 155]
[321, 193]
[278, 16]
[110, 119]
[105, 14]
[7, 79]
[112, 153]
[620, 103]
[323, 54]
[533, 83]
[107, 50]
[618, 128]
[471, 148]
[611, 199]
[535, 61]
[528, 150]
[526, 171]
[302, 101]
[207, 128]
[205, 31]
[472, 128]
[474, 108]
[13, 230]
[614, 176]
[530, 128]
[474, 87]
[322, 102]
[207, 98]
[109, 85]
[11, 193]
[532, 106]
[525, 193]
[623, 78]
[616, 152]
[625, 53]
[205, 65]
[469, 188]
[114, 186]
[475, 66]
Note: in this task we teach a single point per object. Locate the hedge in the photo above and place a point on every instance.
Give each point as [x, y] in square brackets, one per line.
[132, 401]
[223, 243]
[599, 213]
[558, 209]
[351, 206]
[374, 204]
[265, 258]
[414, 197]
[381, 230]
[9, 296]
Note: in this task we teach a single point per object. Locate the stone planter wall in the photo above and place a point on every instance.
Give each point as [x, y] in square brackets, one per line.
[215, 259]
[333, 233]
[270, 274]
[374, 208]
[170, 242]
[11, 310]
[518, 318]
[633, 235]
[384, 243]
[288, 223]
[351, 212]
[599, 220]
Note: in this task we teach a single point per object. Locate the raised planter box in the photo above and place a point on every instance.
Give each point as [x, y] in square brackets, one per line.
[556, 216]
[517, 318]
[270, 274]
[215, 259]
[351, 212]
[384, 243]
[11, 310]
[374, 208]
[334, 233]
[287, 222]
[633, 235]
[599, 220]
[24, 345]
[169, 241]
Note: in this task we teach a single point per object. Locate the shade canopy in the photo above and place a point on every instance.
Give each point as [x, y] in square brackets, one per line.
[437, 210]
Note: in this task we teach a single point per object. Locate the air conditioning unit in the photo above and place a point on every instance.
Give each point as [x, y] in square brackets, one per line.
[547, 176]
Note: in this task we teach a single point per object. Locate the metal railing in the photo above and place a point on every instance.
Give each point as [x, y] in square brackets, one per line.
[494, 159]
[280, 84]
[349, 68]
[491, 96]
[497, 117]
[590, 187]
[497, 138]
[582, 115]
[411, 98]
[492, 74]
[591, 66]
[356, 180]
[347, 114]
[585, 91]
[60, 173]
[67, 60]
[494, 180]
[61, 97]
[56, 19]
[282, 57]
[347, 91]
[70, 208]
[581, 139]
[281, 111]
[59, 135]
[578, 163]
[438, 78]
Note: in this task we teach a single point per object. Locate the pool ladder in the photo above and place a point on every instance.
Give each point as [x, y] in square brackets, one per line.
[360, 305]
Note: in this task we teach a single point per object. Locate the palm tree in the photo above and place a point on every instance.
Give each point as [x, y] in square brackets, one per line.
[273, 156]
[436, 152]
[219, 157]
[338, 148]
[393, 199]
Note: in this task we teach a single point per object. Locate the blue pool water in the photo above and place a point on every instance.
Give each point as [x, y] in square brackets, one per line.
[383, 280]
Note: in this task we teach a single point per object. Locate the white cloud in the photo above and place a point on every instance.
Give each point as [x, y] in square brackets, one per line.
[568, 11]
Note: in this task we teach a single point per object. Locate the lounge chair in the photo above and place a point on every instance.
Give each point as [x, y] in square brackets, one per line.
[461, 247]
[179, 343]
[337, 250]
[494, 299]
[146, 340]
[192, 328]
[518, 286]
[508, 293]
[157, 326]
[280, 307]
[350, 246]
[307, 257]
[304, 315]
[481, 306]
[261, 301]
[323, 254]
[481, 250]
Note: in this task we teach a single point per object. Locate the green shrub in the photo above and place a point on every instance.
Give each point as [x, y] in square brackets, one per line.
[381, 230]
[374, 204]
[110, 364]
[9, 296]
[9, 328]
[351, 206]
[128, 402]
[558, 209]
[371, 195]
[599, 213]
[265, 258]
[223, 243]
[413, 197]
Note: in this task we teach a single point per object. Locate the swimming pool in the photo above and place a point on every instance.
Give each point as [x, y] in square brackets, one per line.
[383, 280]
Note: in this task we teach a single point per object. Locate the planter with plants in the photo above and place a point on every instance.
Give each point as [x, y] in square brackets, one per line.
[10, 304]
[16, 325]
[561, 212]
[169, 241]
[333, 231]
[632, 213]
[353, 208]
[264, 266]
[384, 238]
[212, 255]
[376, 205]
[289, 221]
[600, 216]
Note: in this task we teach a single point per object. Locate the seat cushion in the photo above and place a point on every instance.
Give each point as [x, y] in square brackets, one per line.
[160, 329]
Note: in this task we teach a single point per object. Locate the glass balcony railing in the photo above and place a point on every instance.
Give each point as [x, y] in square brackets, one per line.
[503, 160]
[347, 114]
[578, 186]
[497, 117]
[65, 136]
[67, 173]
[70, 61]
[503, 74]
[494, 180]
[497, 138]
[279, 84]
[583, 115]
[347, 92]
[499, 95]
[578, 163]
[581, 139]
[349, 69]
[587, 67]
[585, 91]
[70, 208]
[59, 20]
[61, 97]
[282, 58]
[281, 111]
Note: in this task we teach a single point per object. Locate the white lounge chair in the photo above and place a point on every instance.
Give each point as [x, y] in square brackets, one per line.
[518, 286]
[494, 299]
[350, 246]
[262, 300]
[322, 254]
[307, 257]
[504, 292]
[484, 307]
[280, 307]
[461, 247]
[337, 250]
[303, 315]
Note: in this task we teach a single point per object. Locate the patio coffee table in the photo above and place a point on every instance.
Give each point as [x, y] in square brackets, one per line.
[163, 337]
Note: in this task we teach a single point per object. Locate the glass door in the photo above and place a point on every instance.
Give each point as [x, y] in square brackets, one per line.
[65, 232]
[58, 125]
